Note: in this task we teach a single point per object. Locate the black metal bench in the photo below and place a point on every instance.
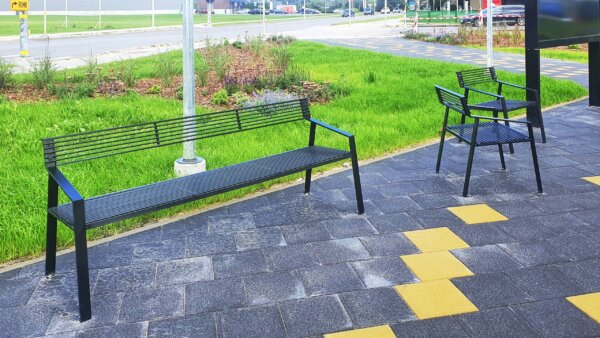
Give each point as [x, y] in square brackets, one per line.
[481, 133]
[468, 79]
[86, 213]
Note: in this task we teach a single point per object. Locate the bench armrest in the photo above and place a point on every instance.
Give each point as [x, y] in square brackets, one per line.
[65, 185]
[329, 127]
[499, 119]
[517, 86]
[499, 97]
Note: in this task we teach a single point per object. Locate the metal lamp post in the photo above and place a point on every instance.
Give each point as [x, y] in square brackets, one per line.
[189, 163]
[490, 34]
[264, 19]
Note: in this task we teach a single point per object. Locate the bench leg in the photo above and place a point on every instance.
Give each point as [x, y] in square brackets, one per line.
[501, 151]
[81, 261]
[468, 172]
[51, 224]
[536, 166]
[355, 171]
[307, 181]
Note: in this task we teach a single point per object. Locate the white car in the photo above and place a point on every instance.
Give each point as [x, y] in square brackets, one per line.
[385, 10]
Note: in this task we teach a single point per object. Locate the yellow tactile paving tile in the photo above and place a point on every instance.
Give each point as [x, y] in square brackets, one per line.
[437, 239]
[589, 304]
[435, 299]
[435, 266]
[383, 331]
[593, 179]
[477, 213]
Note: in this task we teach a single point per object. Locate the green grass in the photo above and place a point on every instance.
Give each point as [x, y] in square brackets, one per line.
[397, 110]
[9, 25]
[573, 55]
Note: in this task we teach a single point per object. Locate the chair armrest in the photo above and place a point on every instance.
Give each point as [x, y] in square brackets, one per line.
[65, 185]
[500, 97]
[499, 119]
[331, 128]
[516, 86]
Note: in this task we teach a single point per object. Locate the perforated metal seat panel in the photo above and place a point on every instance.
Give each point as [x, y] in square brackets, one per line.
[129, 203]
[497, 105]
[489, 133]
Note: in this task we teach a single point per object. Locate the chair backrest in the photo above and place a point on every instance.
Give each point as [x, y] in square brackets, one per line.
[452, 100]
[477, 76]
[91, 145]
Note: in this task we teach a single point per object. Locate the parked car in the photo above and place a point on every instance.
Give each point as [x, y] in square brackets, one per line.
[510, 15]
[309, 11]
[385, 10]
[369, 11]
[277, 11]
[348, 13]
[397, 10]
[256, 11]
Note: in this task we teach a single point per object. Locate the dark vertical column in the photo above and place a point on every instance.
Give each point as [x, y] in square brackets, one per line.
[594, 70]
[532, 70]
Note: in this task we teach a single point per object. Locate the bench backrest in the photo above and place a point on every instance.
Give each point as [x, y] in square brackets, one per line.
[453, 100]
[91, 145]
[477, 76]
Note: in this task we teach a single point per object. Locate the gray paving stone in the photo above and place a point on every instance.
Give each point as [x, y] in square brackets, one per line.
[435, 184]
[435, 218]
[191, 326]
[375, 307]
[330, 279]
[122, 330]
[20, 290]
[388, 244]
[532, 253]
[586, 274]
[209, 245]
[350, 208]
[25, 321]
[496, 323]
[239, 264]
[434, 201]
[334, 182]
[305, 233]
[193, 226]
[258, 322]
[544, 282]
[58, 288]
[586, 201]
[525, 229]
[386, 271]
[577, 246]
[393, 223]
[399, 189]
[158, 251]
[340, 250]
[148, 235]
[105, 310]
[372, 179]
[481, 234]
[313, 316]
[491, 290]
[329, 196]
[556, 204]
[213, 296]
[248, 205]
[184, 271]
[369, 193]
[349, 227]
[273, 287]
[517, 209]
[155, 303]
[125, 278]
[396, 205]
[443, 327]
[563, 223]
[291, 257]
[558, 318]
[486, 259]
[226, 224]
[109, 256]
[591, 217]
[300, 210]
[259, 238]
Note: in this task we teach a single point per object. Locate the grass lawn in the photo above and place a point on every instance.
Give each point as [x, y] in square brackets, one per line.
[559, 54]
[398, 109]
[9, 25]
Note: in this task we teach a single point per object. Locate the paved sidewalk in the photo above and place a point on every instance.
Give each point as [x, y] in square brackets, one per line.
[289, 265]
[559, 69]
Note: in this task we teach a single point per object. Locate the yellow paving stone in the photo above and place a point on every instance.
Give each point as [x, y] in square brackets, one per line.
[436, 265]
[437, 239]
[435, 299]
[593, 179]
[477, 213]
[589, 304]
[383, 331]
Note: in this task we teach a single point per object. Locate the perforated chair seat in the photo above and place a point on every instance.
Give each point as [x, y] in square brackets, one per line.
[489, 133]
[129, 203]
[496, 105]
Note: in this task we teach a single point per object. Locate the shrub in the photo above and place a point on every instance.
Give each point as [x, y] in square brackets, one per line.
[43, 71]
[127, 73]
[281, 39]
[220, 98]
[231, 85]
[6, 73]
[220, 64]
[240, 98]
[268, 97]
[154, 90]
[370, 77]
[66, 91]
[282, 58]
[237, 44]
[291, 78]
[256, 45]
[165, 69]
[179, 93]
[92, 71]
[202, 68]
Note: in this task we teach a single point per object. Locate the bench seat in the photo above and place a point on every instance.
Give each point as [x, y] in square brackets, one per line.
[129, 203]
[488, 133]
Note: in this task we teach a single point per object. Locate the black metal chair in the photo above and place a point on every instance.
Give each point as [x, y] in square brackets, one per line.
[482, 133]
[469, 78]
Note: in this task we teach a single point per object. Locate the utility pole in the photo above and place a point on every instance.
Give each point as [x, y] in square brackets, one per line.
[304, 9]
[490, 35]
[153, 15]
[405, 10]
[66, 14]
[189, 163]
[45, 18]
[264, 19]
[99, 14]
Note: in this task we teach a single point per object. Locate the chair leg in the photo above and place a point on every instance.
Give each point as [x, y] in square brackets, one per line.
[83, 277]
[355, 171]
[511, 149]
[536, 166]
[468, 172]
[440, 151]
[542, 129]
[51, 224]
[501, 151]
[307, 181]
[462, 121]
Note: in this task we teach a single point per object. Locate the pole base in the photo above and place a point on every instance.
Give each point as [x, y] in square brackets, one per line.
[185, 167]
